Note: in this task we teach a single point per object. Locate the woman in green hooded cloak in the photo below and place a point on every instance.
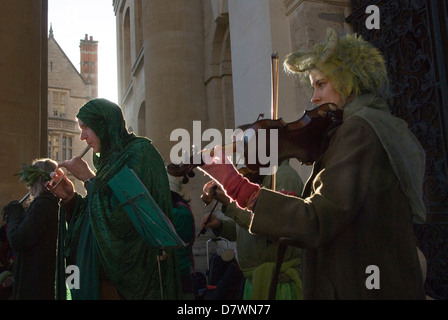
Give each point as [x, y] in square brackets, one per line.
[114, 261]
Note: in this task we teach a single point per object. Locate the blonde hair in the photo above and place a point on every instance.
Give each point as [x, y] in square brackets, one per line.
[353, 65]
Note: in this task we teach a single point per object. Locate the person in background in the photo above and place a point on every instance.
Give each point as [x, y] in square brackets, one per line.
[32, 234]
[185, 227]
[6, 262]
[257, 254]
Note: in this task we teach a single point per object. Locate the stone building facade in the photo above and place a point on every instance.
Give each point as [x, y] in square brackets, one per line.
[68, 90]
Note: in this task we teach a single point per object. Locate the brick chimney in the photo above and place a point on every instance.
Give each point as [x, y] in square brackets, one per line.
[89, 64]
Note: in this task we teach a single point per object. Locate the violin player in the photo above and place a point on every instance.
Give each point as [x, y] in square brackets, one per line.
[355, 217]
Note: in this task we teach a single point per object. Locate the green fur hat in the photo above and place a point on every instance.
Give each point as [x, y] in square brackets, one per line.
[352, 64]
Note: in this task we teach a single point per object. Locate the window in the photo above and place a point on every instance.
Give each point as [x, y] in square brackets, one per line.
[70, 148]
[60, 147]
[57, 101]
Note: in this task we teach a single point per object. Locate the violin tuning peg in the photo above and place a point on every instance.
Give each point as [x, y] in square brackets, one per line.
[191, 174]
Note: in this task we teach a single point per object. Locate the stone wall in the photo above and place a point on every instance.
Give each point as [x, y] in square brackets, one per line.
[23, 91]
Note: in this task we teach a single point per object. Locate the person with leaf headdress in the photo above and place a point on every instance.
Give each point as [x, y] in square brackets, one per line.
[355, 218]
[114, 260]
[32, 234]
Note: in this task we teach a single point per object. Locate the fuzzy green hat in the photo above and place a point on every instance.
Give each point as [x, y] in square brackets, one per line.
[352, 64]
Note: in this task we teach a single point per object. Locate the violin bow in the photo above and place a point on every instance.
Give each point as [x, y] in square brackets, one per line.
[282, 246]
[274, 103]
[203, 230]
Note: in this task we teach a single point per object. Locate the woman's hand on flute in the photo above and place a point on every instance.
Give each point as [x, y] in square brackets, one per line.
[78, 168]
[60, 185]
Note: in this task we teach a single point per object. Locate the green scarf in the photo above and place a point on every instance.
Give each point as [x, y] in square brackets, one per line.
[100, 233]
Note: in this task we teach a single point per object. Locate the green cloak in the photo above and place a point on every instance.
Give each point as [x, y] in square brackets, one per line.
[100, 236]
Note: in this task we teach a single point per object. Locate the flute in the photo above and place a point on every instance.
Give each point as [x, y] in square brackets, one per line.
[81, 155]
[25, 197]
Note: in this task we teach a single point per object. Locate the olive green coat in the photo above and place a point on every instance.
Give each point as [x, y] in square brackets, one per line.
[353, 216]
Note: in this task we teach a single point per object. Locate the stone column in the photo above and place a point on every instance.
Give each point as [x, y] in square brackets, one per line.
[174, 80]
[23, 91]
[173, 62]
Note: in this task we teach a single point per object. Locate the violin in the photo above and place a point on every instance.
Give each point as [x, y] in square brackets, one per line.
[302, 139]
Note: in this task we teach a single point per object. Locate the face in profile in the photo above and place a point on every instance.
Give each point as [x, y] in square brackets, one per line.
[89, 136]
[324, 91]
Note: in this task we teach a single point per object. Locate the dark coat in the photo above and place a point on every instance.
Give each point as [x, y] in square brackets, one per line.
[32, 235]
[353, 214]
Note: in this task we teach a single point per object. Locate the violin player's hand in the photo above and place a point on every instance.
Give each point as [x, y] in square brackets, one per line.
[212, 191]
[222, 197]
[236, 187]
[213, 223]
[208, 192]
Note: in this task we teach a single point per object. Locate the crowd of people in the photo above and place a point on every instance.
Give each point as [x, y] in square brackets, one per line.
[356, 210]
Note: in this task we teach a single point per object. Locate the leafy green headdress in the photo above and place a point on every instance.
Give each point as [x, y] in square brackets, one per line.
[31, 174]
[352, 64]
[37, 174]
